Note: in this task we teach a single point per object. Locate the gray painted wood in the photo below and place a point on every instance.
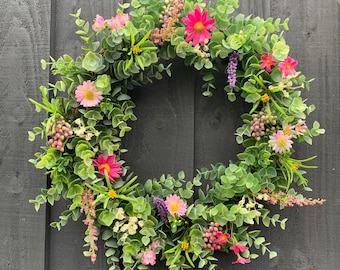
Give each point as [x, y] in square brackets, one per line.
[24, 41]
[177, 129]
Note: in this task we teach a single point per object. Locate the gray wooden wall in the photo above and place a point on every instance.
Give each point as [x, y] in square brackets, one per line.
[178, 129]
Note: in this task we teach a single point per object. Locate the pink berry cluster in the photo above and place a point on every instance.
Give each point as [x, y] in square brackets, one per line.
[213, 237]
[59, 131]
[169, 17]
[260, 124]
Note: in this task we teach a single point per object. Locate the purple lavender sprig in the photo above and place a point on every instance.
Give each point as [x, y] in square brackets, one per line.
[232, 66]
[162, 209]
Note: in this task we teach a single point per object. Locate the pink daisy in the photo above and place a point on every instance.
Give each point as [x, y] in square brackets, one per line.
[99, 23]
[287, 66]
[280, 142]
[267, 62]
[197, 26]
[300, 127]
[238, 248]
[175, 205]
[87, 95]
[109, 165]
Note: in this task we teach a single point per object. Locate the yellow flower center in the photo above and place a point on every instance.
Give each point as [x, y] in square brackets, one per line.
[185, 245]
[105, 166]
[287, 66]
[287, 131]
[136, 50]
[265, 98]
[89, 94]
[281, 142]
[174, 207]
[112, 194]
[199, 27]
[295, 167]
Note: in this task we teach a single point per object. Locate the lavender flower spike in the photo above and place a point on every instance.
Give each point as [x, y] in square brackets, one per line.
[232, 66]
[162, 209]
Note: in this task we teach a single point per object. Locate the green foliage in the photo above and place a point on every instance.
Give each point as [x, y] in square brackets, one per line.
[82, 152]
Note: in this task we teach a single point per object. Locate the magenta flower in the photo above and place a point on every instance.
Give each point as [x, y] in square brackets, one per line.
[222, 238]
[287, 66]
[241, 260]
[267, 62]
[238, 248]
[99, 23]
[118, 21]
[175, 205]
[87, 95]
[280, 142]
[197, 26]
[109, 165]
[148, 257]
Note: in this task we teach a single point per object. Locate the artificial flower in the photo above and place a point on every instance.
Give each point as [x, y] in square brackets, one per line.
[267, 62]
[198, 26]
[241, 260]
[148, 257]
[222, 238]
[175, 205]
[237, 248]
[118, 21]
[162, 209]
[280, 142]
[99, 23]
[109, 165]
[300, 127]
[287, 66]
[87, 95]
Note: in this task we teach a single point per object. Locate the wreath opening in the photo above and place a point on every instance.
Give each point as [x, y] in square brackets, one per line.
[179, 220]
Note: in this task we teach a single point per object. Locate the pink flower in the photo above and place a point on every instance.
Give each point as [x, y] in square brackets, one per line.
[148, 257]
[238, 248]
[287, 66]
[300, 127]
[197, 26]
[175, 205]
[280, 142]
[222, 238]
[109, 165]
[241, 260]
[118, 21]
[99, 23]
[87, 95]
[267, 62]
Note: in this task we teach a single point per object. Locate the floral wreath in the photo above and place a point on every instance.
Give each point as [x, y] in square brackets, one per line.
[89, 112]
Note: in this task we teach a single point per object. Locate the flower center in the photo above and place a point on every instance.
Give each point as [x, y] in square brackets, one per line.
[89, 94]
[136, 50]
[174, 207]
[199, 27]
[281, 142]
[287, 66]
[105, 166]
[112, 194]
[287, 131]
[295, 167]
[185, 245]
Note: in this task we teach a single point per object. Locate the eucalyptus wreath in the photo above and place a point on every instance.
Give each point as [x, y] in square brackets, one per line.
[90, 108]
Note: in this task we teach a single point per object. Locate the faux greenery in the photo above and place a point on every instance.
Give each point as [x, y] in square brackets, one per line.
[89, 111]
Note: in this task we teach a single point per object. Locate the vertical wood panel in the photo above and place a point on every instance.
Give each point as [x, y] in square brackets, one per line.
[24, 39]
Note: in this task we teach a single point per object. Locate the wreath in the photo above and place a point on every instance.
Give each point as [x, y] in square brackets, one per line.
[89, 109]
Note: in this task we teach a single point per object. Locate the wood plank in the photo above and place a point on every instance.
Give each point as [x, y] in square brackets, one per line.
[24, 41]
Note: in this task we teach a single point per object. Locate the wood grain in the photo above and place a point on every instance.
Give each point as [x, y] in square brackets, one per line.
[24, 41]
